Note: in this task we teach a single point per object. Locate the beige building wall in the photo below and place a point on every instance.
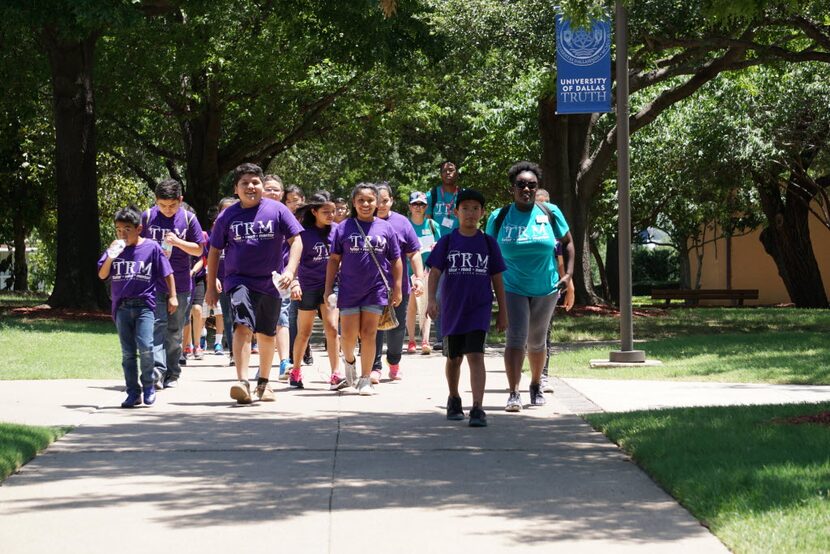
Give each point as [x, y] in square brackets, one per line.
[752, 268]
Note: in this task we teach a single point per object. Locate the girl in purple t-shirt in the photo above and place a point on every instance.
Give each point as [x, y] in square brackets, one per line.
[363, 293]
[309, 287]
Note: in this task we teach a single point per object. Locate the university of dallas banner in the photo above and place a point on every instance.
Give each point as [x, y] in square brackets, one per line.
[583, 67]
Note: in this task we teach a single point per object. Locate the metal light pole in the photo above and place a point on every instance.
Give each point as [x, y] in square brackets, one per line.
[626, 354]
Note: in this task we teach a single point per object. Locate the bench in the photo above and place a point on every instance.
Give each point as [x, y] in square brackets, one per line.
[694, 296]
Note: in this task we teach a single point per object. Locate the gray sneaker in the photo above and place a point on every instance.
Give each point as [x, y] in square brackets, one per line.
[364, 386]
[351, 371]
[514, 403]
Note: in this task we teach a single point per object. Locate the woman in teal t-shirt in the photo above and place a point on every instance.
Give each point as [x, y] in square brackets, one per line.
[428, 234]
[527, 234]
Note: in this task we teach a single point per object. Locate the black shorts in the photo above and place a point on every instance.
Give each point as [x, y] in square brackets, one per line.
[311, 300]
[197, 296]
[254, 310]
[456, 346]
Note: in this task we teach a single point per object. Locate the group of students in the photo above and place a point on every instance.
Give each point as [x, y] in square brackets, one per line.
[272, 259]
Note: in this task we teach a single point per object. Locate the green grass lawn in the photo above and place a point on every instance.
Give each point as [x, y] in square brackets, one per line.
[20, 443]
[21, 299]
[758, 484]
[801, 357]
[58, 349]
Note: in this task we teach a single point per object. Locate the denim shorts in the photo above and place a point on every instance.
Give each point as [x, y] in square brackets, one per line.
[282, 319]
[371, 308]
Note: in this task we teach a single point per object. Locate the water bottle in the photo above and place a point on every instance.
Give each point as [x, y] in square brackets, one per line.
[116, 248]
[284, 292]
[166, 247]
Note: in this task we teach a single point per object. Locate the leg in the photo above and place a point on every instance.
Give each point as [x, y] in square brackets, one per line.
[227, 319]
[350, 329]
[144, 341]
[197, 325]
[518, 314]
[330, 318]
[242, 350]
[452, 370]
[266, 353]
[478, 377]
[173, 340]
[394, 337]
[368, 335]
[159, 332]
[292, 328]
[125, 323]
[541, 309]
[305, 320]
[411, 313]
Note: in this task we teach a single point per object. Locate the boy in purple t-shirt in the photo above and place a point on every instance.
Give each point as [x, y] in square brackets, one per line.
[179, 234]
[135, 266]
[471, 264]
[252, 232]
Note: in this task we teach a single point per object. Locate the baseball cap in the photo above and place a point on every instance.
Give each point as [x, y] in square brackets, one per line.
[417, 197]
[469, 194]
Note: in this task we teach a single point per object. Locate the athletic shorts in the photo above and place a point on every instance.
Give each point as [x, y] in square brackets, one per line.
[456, 346]
[255, 310]
[311, 300]
[197, 297]
[371, 308]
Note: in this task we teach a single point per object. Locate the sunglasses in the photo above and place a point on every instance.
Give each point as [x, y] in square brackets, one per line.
[526, 184]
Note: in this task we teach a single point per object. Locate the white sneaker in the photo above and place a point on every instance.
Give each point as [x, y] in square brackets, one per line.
[351, 372]
[364, 386]
[546, 386]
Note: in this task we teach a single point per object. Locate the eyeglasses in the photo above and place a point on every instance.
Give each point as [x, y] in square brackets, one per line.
[526, 184]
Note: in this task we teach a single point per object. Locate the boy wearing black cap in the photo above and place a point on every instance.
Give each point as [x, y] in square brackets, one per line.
[472, 264]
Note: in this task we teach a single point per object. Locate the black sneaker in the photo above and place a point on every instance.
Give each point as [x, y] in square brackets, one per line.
[182, 361]
[477, 417]
[454, 410]
[537, 397]
[308, 359]
[171, 382]
[438, 346]
[133, 399]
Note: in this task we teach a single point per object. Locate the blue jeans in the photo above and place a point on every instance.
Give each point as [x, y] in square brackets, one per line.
[134, 321]
[227, 319]
[394, 347]
[167, 335]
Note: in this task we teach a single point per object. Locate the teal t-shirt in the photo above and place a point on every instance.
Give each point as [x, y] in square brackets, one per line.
[428, 233]
[528, 246]
[443, 211]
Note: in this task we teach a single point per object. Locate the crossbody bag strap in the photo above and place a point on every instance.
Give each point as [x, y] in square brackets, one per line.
[372, 253]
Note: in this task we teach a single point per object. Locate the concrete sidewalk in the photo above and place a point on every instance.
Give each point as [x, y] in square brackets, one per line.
[326, 472]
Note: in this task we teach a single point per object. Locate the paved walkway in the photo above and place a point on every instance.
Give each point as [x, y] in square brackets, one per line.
[327, 472]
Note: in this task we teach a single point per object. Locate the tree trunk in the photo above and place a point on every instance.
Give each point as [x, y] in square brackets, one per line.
[21, 268]
[612, 268]
[201, 131]
[786, 239]
[564, 149]
[78, 240]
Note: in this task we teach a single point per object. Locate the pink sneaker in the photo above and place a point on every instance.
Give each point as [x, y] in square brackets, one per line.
[295, 379]
[395, 372]
[337, 382]
[411, 349]
[375, 376]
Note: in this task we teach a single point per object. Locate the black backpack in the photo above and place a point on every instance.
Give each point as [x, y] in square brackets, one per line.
[503, 213]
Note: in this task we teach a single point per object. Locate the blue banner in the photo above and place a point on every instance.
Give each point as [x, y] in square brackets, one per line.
[583, 67]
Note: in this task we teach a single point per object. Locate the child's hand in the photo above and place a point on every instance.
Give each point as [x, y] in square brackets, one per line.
[397, 296]
[501, 320]
[296, 291]
[172, 303]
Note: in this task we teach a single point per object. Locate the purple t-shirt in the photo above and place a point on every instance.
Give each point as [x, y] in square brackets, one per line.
[315, 258]
[136, 272]
[408, 240]
[252, 239]
[467, 264]
[202, 273]
[187, 228]
[360, 281]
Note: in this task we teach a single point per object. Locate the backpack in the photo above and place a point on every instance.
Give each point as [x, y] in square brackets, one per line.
[503, 213]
